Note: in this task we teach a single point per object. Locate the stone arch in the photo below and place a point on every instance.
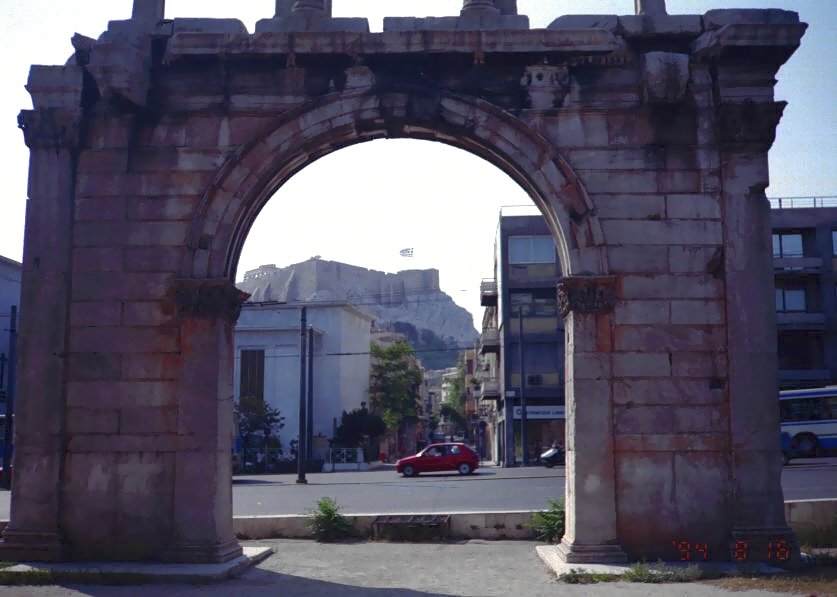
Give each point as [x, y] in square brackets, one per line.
[137, 213]
[250, 176]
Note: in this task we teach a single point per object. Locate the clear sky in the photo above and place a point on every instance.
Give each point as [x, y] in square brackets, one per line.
[388, 195]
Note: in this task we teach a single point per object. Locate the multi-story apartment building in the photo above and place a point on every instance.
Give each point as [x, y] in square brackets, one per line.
[804, 260]
[522, 342]
[523, 290]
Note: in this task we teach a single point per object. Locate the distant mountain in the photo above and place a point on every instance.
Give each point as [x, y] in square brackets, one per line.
[409, 302]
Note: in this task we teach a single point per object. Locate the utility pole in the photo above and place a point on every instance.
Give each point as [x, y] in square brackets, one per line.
[523, 435]
[300, 446]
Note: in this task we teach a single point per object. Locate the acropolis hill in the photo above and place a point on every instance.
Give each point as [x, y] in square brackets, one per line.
[408, 299]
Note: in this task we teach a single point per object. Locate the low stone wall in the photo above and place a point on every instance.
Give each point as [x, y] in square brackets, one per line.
[803, 516]
[463, 525]
[813, 521]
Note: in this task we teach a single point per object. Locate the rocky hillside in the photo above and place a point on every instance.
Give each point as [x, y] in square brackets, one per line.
[409, 302]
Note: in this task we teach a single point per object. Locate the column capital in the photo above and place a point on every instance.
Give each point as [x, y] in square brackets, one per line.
[587, 294]
[50, 128]
[208, 299]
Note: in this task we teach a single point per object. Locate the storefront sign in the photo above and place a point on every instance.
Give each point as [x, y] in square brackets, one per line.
[541, 412]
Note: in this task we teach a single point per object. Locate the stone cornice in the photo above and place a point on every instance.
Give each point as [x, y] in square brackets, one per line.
[208, 299]
[50, 128]
[586, 294]
[749, 124]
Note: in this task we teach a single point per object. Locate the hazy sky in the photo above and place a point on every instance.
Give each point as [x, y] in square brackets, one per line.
[392, 194]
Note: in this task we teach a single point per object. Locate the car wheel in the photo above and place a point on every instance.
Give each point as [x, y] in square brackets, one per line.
[785, 458]
[409, 471]
[464, 468]
[807, 444]
[549, 464]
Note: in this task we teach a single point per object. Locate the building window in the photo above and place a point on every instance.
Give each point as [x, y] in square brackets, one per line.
[787, 244]
[790, 299]
[801, 350]
[252, 374]
[531, 249]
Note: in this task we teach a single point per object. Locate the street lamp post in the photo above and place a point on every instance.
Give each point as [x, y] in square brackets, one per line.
[523, 421]
[300, 445]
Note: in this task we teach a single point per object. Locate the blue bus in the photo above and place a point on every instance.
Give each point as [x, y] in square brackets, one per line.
[809, 416]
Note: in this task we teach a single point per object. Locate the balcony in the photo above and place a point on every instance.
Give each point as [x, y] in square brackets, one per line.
[799, 266]
[810, 376]
[490, 341]
[490, 389]
[488, 293]
[800, 320]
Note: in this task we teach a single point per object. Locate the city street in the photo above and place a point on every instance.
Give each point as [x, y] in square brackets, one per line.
[489, 489]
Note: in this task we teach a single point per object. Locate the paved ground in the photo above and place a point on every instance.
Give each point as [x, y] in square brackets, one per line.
[472, 568]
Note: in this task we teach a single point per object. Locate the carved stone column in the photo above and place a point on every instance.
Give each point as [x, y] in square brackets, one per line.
[309, 5]
[149, 11]
[479, 5]
[747, 131]
[202, 511]
[591, 533]
[52, 135]
[650, 7]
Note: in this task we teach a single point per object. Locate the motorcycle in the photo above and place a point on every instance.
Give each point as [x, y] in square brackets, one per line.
[552, 456]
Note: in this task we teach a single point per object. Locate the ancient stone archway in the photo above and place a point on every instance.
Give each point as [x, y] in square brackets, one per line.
[643, 140]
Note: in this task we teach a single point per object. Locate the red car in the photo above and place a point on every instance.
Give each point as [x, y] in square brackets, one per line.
[452, 456]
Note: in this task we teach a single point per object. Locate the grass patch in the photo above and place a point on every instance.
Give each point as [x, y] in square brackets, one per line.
[50, 577]
[579, 577]
[659, 573]
[818, 579]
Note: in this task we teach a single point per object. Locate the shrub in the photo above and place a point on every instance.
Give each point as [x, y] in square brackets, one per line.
[549, 525]
[327, 523]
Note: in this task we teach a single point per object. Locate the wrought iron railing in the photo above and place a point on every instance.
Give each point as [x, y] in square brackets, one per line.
[802, 202]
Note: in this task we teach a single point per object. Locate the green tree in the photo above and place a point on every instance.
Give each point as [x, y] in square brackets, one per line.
[460, 423]
[357, 425]
[258, 423]
[455, 399]
[394, 383]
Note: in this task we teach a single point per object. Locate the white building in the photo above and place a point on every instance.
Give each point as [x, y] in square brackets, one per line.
[9, 296]
[267, 362]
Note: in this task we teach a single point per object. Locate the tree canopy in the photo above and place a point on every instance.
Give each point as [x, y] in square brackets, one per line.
[357, 425]
[394, 383]
[256, 418]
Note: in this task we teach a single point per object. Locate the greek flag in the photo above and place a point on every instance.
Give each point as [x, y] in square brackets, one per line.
[406, 252]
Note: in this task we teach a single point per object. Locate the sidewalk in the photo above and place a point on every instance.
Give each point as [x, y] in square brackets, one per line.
[301, 568]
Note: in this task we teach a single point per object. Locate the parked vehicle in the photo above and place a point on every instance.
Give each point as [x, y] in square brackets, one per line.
[448, 456]
[552, 456]
[810, 417]
[789, 448]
